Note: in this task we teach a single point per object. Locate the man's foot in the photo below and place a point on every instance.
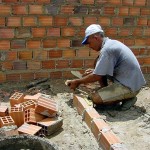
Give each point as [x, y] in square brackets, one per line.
[127, 104]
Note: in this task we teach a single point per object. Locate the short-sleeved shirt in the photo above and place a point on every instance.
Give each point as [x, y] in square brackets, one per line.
[118, 61]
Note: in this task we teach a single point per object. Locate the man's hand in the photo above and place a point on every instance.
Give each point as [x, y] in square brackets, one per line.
[73, 84]
[87, 72]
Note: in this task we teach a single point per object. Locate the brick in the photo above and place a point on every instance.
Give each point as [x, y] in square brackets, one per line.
[140, 3]
[34, 44]
[35, 9]
[29, 21]
[145, 11]
[89, 115]
[7, 66]
[60, 64]
[28, 1]
[69, 53]
[13, 77]
[76, 43]
[6, 33]
[109, 11]
[49, 43]
[93, 53]
[10, 1]
[123, 11]
[104, 21]
[18, 44]
[34, 65]
[80, 104]
[67, 74]
[108, 138]
[53, 32]
[137, 31]
[89, 20]
[98, 125]
[129, 42]
[25, 55]
[3, 111]
[60, 21]
[129, 21]
[95, 10]
[75, 21]
[43, 1]
[67, 9]
[19, 10]
[14, 22]
[101, 2]
[4, 45]
[63, 43]
[5, 10]
[40, 55]
[89, 63]
[87, 1]
[50, 125]
[19, 65]
[23, 33]
[81, 10]
[45, 20]
[27, 76]
[50, 64]
[111, 31]
[55, 53]
[16, 98]
[68, 31]
[38, 32]
[76, 64]
[27, 104]
[31, 117]
[46, 106]
[56, 75]
[147, 31]
[83, 53]
[116, 2]
[52, 9]
[134, 11]
[17, 114]
[127, 2]
[29, 129]
[2, 21]
[117, 21]
[140, 42]
[6, 121]
[41, 75]
[142, 21]
[124, 32]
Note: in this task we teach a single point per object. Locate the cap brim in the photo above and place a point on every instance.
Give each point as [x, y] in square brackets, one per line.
[85, 41]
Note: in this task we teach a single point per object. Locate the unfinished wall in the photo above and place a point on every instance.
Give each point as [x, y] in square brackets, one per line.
[42, 38]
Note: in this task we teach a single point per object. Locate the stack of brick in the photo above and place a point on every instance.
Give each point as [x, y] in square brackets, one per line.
[34, 115]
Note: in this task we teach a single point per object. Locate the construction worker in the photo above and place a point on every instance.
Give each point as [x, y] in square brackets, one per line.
[115, 61]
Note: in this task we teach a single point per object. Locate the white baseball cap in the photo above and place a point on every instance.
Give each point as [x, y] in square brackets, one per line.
[93, 28]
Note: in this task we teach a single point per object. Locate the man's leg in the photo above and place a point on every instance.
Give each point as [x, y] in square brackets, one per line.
[113, 94]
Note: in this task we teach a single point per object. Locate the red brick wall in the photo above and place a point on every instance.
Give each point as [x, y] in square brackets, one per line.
[42, 38]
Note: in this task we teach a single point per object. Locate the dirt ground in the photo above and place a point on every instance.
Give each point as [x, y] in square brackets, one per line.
[131, 126]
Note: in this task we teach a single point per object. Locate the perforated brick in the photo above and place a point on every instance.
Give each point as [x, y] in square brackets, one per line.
[50, 125]
[28, 104]
[6, 121]
[31, 116]
[29, 129]
[3, 111]
[16, 98]
[46, 106]
[17, 114]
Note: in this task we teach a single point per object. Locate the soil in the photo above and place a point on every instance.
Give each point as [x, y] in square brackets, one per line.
[131, 126]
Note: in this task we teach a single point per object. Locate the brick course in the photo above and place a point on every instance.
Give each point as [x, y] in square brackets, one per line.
[34, 30]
